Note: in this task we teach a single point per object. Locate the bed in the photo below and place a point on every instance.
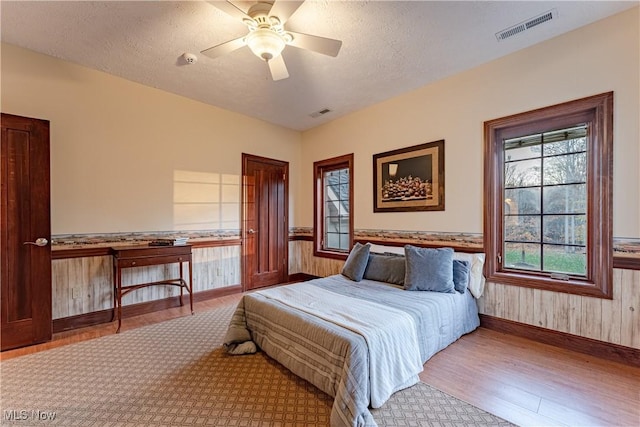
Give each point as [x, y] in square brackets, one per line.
[358, 341]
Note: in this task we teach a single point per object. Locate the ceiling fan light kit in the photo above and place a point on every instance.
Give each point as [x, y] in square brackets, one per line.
[267, 37]
[265, 43]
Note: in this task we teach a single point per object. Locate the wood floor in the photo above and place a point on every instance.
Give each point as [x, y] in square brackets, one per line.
[527, 383]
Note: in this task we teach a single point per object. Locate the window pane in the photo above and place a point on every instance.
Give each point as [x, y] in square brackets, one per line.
[565, 259]
[567, 229]
[331, 209]
[524, 173]
[332, 192]
[327, 178]
[522, 153]
[329, 225]
[344, 224]
[522, 228]
[565, 199]
[565, 169]
[566, 146]
[344, 208]
[522, 201]
[332, 241]
[344, 242]
[525, 256]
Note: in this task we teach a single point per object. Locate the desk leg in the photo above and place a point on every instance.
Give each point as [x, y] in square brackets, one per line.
[115, 291]
[191, 287]
[182, 285]
[119, 296]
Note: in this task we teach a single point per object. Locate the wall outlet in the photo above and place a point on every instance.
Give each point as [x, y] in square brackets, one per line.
[75, 293]
[218, 271]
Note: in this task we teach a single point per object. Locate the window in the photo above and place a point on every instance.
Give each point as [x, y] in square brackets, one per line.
[333, 207]
[548, 186]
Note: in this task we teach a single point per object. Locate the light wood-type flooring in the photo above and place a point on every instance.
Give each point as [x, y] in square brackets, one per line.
[527, 383]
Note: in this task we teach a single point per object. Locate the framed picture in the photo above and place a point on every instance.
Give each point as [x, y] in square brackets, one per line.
[409, 179]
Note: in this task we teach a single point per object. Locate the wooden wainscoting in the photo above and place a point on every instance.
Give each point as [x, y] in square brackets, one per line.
[615, 321]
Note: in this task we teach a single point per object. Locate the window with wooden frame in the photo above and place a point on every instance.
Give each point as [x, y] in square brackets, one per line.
[333, 207]
[548, 198]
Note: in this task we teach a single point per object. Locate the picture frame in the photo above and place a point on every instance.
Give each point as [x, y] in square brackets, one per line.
[409, 179]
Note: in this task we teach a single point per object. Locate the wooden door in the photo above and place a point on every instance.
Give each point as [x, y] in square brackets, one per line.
[265, 230]
[25, 251]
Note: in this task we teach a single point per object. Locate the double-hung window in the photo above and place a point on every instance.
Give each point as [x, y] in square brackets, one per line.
[548, 188]
[333, 206]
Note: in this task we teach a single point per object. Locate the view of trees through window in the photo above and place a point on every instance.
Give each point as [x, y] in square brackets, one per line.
[545, 202]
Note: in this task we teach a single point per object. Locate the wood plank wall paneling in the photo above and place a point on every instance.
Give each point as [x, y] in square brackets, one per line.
[309, 264]
[615, 321]
[295, 260]
[630, 312]
[90, 279]
[81, 285]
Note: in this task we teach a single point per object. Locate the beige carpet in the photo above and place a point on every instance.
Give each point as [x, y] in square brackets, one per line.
[175, 374]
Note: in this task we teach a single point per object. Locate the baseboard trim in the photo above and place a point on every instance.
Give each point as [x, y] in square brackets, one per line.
[604, 350]
[301, 277]
[105, 316]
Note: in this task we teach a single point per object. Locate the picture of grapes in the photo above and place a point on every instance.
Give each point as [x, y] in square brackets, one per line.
[407, 179]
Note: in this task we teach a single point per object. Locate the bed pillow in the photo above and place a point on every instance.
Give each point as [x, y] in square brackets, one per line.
[476, 278]
[386, 268]
[461, 274]
[429, 269]
[356, 262]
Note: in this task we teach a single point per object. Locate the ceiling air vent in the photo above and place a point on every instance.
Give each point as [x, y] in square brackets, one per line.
[320, 113]
[527, 25]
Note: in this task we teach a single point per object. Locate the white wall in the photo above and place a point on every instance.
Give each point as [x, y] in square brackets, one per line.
[601, 57]
[116, 145]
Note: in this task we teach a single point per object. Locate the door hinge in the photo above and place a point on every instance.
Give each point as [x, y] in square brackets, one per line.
[284, 176]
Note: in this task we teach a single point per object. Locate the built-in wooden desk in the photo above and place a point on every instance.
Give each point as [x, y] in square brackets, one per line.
[142, 256]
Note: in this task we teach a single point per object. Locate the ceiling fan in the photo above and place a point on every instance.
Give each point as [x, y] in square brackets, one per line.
[267, 36]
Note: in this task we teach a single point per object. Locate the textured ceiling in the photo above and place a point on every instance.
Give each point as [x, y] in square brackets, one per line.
[389, 47]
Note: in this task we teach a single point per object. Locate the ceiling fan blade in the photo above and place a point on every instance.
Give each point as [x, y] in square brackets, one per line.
[284, 9]
[278, 68]
[318, 44]
[231, 9]
[224, 48]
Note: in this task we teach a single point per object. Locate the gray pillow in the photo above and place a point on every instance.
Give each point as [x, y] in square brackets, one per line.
[385, 268]
[461, 274]
[356, 262]
[429, 269]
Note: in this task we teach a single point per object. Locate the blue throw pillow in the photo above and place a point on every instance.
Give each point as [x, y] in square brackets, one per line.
[429, 269]
[356, 262]
[386, 268]
[461, 273]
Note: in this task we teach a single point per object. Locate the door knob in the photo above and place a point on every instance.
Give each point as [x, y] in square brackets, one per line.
[252, 231]
[40, 241]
